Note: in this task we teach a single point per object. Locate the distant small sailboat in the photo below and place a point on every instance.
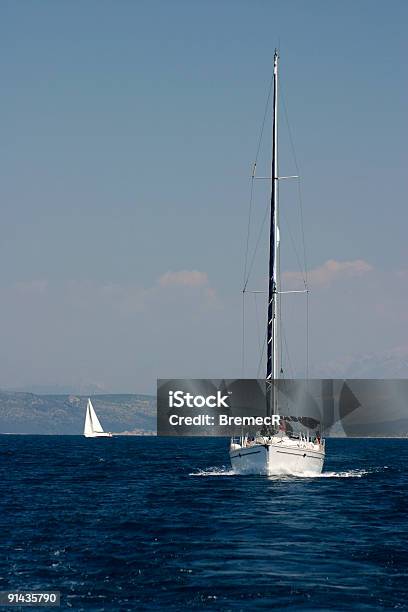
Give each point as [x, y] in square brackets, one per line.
[93, 427]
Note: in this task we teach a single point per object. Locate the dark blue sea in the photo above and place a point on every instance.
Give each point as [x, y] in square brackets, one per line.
[156, 524]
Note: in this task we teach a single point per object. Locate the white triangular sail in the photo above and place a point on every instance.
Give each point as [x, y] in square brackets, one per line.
[88, 429]
[93, 427]
[96, 425]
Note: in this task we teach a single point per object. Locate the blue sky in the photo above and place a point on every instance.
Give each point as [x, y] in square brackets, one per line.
[128, 134]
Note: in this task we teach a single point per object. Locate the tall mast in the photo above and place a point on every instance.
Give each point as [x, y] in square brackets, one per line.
[272, 350]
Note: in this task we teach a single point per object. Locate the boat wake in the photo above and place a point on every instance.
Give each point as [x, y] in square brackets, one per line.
[224, 471]
[214, 471]
[347, 474]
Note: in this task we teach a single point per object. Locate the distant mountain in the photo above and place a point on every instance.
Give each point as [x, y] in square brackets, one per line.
[388, 429]
[83, 388]
[387, 364]
[29, 413]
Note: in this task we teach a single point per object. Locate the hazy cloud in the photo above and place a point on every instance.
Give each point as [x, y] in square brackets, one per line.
[389, 363]
[32, 287]
[124, 335]
[188, 278]
[127, 299]
[121, 335]
[331, 271]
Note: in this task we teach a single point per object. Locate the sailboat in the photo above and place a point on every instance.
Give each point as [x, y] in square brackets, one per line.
[276, 451]
[93, 427]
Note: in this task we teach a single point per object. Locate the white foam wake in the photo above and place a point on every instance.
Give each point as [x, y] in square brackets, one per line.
[346, 474]
[223, 471]
[214, 471]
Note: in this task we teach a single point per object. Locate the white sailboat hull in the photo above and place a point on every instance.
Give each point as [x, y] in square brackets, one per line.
[98, 435]
[276, 459]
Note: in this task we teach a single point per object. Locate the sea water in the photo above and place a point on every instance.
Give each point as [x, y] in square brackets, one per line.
[146, 523]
